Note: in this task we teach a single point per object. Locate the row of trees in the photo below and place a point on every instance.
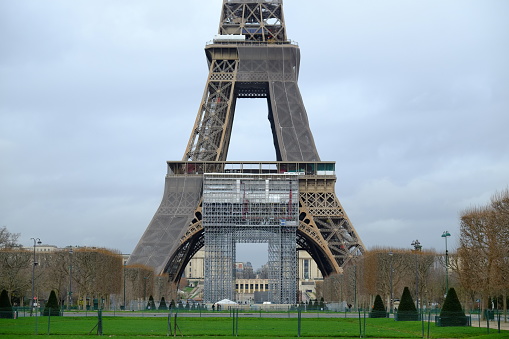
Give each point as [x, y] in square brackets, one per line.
[421, 271]
[92, 275]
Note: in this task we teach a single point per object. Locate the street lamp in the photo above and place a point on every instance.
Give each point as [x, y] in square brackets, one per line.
[145, 292]
[417, 247]
[355, 286]
[69, 305]
[445, 235]
[391, 300]
[37, 241]
[125, 262]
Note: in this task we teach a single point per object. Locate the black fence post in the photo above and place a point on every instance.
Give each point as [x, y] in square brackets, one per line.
[237, 334]
[49, 320]
[99, 322]
[169, 331]
[360, 323]
[299, 316]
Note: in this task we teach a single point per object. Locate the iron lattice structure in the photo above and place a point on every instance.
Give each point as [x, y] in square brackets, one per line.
[250, 57]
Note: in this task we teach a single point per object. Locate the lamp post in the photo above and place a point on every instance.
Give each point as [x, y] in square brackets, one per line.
[355, 286]
[37, 241]
[69, 305]
[125, 262]
[391, 300]
[445, 235]
[417, 247]
[145, 292]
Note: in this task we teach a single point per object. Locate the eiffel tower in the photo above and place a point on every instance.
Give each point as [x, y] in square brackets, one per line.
[250, 57]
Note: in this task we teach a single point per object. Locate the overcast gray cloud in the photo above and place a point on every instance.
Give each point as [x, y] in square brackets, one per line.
[410, 98]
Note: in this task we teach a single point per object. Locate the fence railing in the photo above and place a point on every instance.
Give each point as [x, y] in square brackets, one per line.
[232, 321]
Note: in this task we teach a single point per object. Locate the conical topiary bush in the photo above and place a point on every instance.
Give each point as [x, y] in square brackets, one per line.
[162, 304]
[406, 310]
[452, 313]
[51, 308]
[378, 310]
[151, 304]
[6, 311]
[452, 305]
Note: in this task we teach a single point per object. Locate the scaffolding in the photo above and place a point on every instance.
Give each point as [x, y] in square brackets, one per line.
[250, 208]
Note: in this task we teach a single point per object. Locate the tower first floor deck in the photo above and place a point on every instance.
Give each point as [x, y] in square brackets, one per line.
[316, 168]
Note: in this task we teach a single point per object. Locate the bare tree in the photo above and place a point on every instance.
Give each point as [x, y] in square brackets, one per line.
[97, 273]
[139, 282]
[15, 271]
[54, 268]
[408, 269]
[8, 239]
[500, 220]
[163, 287]
[371, 275]
[483, 256]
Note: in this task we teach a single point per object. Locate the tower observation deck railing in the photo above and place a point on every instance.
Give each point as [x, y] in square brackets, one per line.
[256, 1]
[316, 168]
[253, 43]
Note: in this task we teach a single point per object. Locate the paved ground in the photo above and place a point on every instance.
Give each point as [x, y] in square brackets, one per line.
[504, 325]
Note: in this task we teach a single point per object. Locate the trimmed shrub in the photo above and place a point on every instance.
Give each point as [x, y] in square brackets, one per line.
[6, 310]
[406, 310]
[51, 308]
[452, 305]
[162, 304]
[406, 303]
[151, 304]
[378, 310]
[452, 313]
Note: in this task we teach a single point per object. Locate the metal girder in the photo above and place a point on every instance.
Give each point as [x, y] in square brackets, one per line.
[260, 21]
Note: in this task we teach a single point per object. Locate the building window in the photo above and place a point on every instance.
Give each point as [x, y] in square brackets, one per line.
[306, 269]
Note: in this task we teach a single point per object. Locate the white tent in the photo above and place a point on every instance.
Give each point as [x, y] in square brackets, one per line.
[226, 302]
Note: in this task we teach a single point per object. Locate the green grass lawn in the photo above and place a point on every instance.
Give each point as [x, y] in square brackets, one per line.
[136, 327]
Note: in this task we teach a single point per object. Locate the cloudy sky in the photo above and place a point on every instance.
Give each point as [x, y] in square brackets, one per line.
[410, 98]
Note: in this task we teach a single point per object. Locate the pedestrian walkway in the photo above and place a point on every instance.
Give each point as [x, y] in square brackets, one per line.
[493, 324]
